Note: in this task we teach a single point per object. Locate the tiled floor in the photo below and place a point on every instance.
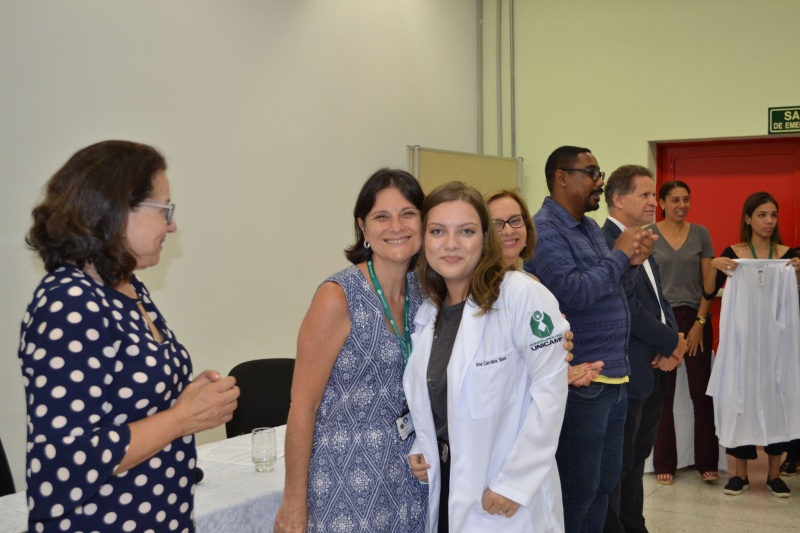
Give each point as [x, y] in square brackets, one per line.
[689, 505]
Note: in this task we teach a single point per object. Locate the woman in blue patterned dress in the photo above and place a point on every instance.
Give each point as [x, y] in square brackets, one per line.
[346, 462]
[111, 406]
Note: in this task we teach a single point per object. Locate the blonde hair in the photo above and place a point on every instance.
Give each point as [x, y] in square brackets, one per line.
[530, 239]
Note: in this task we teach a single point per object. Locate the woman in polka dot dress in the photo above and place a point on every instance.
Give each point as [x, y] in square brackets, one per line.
[112, 407]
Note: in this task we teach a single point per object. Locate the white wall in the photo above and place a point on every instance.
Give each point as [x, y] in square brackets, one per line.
[616, 76]
[271, 114]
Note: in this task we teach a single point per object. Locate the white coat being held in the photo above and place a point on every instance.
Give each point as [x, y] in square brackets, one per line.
[506, 396]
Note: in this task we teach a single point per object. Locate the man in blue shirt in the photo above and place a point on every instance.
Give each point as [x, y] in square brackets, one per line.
[590, 282]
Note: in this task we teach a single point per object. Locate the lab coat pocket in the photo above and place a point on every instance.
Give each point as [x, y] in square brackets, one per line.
[492, 385]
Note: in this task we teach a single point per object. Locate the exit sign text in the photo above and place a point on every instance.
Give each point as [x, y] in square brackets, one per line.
[784, 119]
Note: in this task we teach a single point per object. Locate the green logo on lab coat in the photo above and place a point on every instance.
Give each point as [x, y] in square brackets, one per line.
[541, 324]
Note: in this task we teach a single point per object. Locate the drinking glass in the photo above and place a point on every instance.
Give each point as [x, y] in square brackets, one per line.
[264, 449]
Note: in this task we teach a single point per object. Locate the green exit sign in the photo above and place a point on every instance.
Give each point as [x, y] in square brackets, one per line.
[784, 119]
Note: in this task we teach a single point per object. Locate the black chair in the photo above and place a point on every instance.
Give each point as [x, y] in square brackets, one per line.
[6, 479]
[265, 387]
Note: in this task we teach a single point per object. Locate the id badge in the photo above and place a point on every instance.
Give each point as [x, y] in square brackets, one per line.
[405, 425]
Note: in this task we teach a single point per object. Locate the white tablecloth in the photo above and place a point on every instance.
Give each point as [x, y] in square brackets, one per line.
[232, 498]
[13, 513]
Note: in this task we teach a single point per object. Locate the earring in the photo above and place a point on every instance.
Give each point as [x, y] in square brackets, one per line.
[366, 245]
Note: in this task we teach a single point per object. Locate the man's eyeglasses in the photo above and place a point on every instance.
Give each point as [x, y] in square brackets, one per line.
[592, 172]
[169, 209]
[515, 222]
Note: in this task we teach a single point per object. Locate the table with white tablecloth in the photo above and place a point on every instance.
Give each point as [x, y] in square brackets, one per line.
[232, 498]
[13, 513]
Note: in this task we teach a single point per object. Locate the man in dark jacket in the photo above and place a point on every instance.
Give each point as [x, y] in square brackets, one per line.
[655, 346]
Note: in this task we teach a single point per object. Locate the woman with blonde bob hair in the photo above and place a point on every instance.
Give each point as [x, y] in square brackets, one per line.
[486, 381]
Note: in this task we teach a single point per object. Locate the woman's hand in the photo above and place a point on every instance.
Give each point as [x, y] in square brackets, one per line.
[292, 517]
[694, 339]
[419, 467]
[205, 403]
[568, 344]
[583, 374]
[493, 503]
[724, 264]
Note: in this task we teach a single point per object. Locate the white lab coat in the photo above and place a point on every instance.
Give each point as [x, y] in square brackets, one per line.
[755, 381]
[506, 396]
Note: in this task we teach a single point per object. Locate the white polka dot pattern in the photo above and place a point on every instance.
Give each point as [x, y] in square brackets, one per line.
[90, 366]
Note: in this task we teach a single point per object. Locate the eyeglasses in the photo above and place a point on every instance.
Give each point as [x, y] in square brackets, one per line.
[168, 208]
[592, 172]
[515, 222]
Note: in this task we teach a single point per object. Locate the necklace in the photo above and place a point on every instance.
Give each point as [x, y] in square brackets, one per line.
[676, 233]
[753, 250]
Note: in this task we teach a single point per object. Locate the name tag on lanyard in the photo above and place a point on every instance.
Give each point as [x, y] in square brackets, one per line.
[404, 423]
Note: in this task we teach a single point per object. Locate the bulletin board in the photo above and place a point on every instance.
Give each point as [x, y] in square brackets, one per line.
[484, 172]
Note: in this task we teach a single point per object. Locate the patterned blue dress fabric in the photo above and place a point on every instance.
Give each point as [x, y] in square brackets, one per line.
[359, 478]
[91, 366]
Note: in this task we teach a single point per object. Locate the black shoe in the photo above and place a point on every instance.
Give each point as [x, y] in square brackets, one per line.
[778, 488]
[789, 468]
[736, 485]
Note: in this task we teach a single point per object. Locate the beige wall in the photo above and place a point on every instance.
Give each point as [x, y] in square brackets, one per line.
[271, 114]
[616, 75]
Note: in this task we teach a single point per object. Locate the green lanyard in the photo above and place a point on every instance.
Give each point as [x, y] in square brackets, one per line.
[405, 339]
[753, 250]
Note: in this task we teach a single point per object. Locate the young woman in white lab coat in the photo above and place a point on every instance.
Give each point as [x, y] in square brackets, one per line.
[486, 381]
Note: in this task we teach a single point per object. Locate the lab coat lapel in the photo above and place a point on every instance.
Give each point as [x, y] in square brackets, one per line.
[421, 340]
[466, 345]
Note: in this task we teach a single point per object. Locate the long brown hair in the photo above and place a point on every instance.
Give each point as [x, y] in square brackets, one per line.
[750, 205]
[484, 287]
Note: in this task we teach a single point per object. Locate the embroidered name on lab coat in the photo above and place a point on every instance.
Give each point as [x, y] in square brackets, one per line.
[488, 362]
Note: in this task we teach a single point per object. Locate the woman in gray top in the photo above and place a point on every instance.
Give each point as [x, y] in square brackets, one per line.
[683, 252]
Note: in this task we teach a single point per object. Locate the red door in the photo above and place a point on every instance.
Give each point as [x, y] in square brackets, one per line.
[722, 174]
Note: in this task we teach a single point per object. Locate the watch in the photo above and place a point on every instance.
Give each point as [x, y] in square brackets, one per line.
[700, 319]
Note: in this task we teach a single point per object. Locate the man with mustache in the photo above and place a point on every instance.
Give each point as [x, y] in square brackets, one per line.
[655, 346]
[590, 282]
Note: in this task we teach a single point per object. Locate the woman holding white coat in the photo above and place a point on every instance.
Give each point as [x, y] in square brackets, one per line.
[486, 381]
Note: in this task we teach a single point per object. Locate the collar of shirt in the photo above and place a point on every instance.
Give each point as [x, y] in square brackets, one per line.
[558, 211]
[650, 277]
[617, 222]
